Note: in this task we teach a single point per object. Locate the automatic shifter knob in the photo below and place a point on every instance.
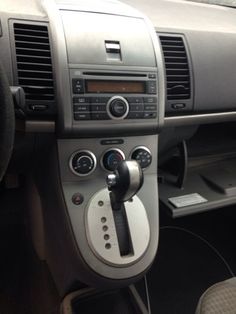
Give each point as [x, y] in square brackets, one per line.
[125, 182]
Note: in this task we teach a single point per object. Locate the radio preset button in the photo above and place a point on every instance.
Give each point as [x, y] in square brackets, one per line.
[99, 100]
[135, 115]
[135, 100]
[136, 107]
[99, 116]
[100, 107]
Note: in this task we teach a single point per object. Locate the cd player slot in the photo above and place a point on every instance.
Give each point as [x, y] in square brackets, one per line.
[114, 74]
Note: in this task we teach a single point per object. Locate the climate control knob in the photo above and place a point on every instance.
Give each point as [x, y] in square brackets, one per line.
[111, 158]
[142, 155]
[117, 107]
[82, 163]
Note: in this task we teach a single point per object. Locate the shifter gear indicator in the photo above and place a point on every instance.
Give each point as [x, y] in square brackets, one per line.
[107, 249]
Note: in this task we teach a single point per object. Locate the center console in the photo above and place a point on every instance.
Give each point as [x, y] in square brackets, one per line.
[103, 170]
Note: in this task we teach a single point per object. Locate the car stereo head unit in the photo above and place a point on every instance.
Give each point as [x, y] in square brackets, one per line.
[116, 96]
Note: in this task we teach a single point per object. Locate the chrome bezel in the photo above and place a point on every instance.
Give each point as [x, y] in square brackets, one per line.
[93, 157]
[108, 109]
[140, 147]
[107, 150]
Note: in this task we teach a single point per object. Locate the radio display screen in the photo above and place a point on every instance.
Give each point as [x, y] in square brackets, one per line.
[102, 86]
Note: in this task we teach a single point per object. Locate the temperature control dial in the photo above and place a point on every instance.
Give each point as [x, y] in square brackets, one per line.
[111, 158]
[82, 163]
[143, 156]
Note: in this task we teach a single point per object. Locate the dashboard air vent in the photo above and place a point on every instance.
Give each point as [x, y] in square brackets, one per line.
[34, 66]
[177, 67]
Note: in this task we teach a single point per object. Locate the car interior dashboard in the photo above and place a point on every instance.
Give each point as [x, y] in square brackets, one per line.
[122, 108]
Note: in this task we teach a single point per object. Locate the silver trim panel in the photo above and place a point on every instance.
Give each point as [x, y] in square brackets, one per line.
[204, 118]
[99, 214]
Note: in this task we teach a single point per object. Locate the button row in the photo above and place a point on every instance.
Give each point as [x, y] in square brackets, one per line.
[104, 100]
[94, 108]
[102, 107]
[104, 115]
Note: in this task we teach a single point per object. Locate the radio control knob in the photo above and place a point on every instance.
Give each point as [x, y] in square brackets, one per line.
[143, 156]
[117, 107]
[82, 163]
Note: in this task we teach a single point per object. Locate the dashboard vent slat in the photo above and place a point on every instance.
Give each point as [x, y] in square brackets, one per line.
[34, 64]
[177, 67]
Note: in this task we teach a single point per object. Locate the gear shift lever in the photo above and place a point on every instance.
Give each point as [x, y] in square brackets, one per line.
[125, 182]
[121, 214]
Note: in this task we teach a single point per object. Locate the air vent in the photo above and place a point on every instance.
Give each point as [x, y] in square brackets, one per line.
[34, 66]
[177, 68]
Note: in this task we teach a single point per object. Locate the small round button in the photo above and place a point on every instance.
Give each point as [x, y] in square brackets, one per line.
[117, 107]
[77, 198]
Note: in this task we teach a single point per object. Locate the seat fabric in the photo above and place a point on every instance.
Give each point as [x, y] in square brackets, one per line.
[219, 298]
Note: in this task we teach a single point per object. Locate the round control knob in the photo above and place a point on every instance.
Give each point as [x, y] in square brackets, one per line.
[82, 163]
[117, 107]
[143, 156]
[111, 159]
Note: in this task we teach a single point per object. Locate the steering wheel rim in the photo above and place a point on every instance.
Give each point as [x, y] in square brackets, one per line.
[7, 122]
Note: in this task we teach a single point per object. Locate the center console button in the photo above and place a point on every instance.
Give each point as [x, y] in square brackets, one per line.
[136, 107]
[151, 87]
[135, 100]
[82, 116]
[149, 115]
[80, 100]
[98, 107]
[150, 107]
[117, 107]
[99, 100]
[82, 107]
[150, 100]
[135, 115]
[99, 116]
[78, 86]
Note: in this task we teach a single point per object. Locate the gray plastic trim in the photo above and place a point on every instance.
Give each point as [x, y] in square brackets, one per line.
[200, 118]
